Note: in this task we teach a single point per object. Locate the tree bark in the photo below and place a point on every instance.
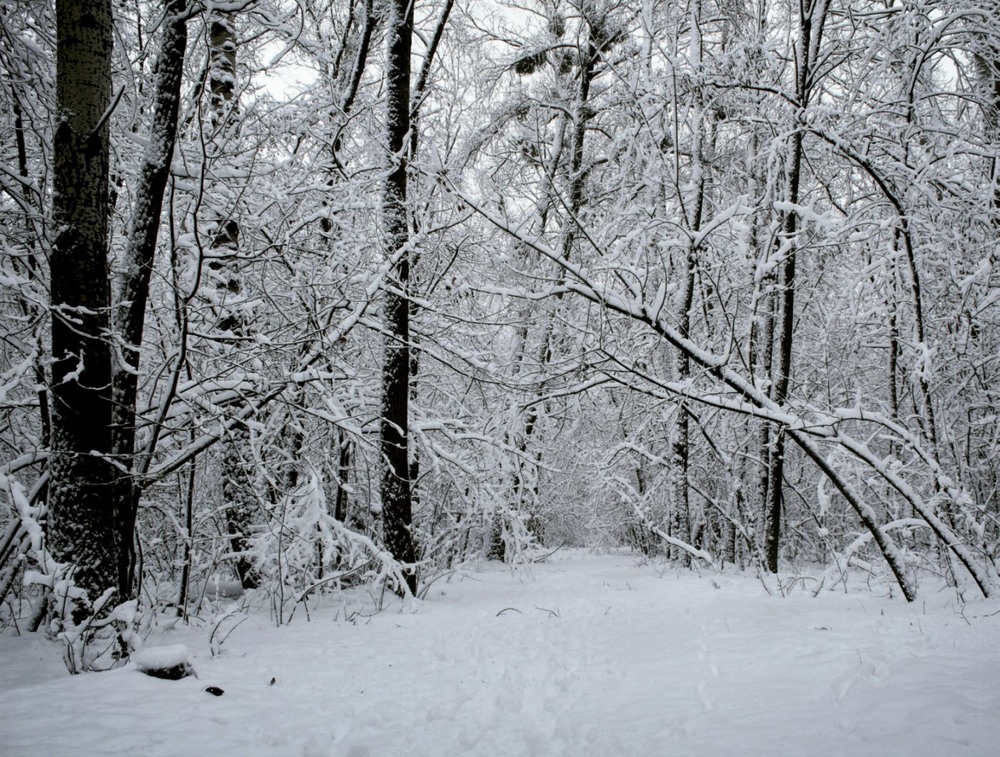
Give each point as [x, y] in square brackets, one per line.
[83, 531]
[396, 487]
[133, 291]
[782, 374]
[238, 493]
[811, 19]
[680, 447]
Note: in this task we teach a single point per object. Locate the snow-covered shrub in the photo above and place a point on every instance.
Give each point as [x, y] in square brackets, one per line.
[96, 634]
[303, 548]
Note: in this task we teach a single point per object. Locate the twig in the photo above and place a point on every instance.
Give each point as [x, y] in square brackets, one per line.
[216, 648]
[107, 113]
[545, 557]
[335, 577]
[422, 594]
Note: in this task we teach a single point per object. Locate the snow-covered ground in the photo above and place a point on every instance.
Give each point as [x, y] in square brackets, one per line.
[582, 655]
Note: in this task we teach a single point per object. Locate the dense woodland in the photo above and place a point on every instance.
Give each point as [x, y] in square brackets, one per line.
[306, 294]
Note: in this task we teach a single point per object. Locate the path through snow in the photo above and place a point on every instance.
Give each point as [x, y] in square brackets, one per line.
[584, 656]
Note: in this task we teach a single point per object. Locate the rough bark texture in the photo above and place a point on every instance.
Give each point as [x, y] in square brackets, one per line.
[240, 504]
[83, 531]
[240, 500]
[397, 512]
[222, 78]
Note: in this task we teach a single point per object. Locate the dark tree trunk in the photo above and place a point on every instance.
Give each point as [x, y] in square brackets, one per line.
[241, 504]
[222, 76]
[680, 448]
[83, 531]
[343, 472]
[810, 34]
[397, 512]
[182, 598]
[131, 298]
[680, 517]
[761, 357]
[776, 456]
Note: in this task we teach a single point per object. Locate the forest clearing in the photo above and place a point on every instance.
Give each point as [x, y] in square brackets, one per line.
[585, 655]
[323, 322]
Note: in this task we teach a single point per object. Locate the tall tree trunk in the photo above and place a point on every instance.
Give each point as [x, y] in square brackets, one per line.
[760, 357]
[344, 445]
[760, 354]
[133, 291]
[240, 501]
[811, 18]
[782, 373]
[680, 516]
[188, 548]
[680, 519]
[397, 510]
[83, 531]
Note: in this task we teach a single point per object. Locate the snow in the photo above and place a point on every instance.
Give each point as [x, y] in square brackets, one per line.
[583, 655]
[159, 658]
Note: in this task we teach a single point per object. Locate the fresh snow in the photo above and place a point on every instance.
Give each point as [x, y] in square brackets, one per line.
[581, 655]
[160, 658]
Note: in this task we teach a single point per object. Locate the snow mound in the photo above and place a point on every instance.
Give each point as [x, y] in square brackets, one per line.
[172, 661]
